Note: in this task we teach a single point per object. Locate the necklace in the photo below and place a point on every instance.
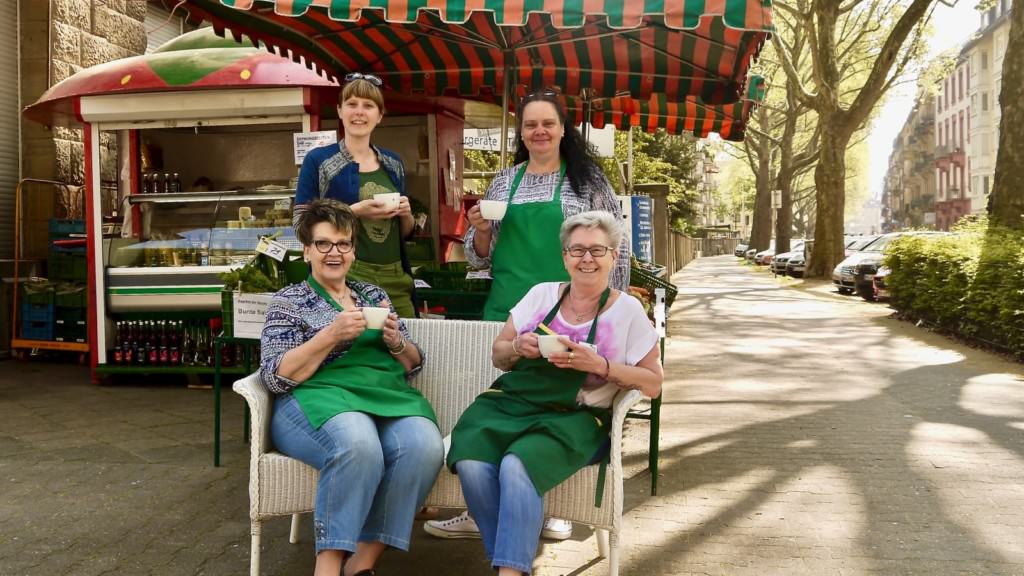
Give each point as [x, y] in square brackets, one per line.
[579, 316]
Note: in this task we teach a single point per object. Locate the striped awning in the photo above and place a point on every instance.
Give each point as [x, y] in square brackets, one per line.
[465, 48]
[657, 112]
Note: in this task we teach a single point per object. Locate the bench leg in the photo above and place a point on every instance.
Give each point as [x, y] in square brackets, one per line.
[613, 558]
[254, 554]
[602, 543]
[293, 536]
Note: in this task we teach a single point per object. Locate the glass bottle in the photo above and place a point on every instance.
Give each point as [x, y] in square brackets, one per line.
[174, 353]
[163, 353]
[175, 186]
[152, 345]
[118, 355]
[166, 187]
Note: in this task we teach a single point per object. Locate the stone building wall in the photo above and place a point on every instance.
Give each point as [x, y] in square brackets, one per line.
[59, 38]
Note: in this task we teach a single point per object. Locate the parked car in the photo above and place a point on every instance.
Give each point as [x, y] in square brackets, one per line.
[856, 272]
[780, 261]
[879, 285]
[858, 243]
[796, 266]
[752, 253]
[741, 250]
[749, 254]
[764, 257]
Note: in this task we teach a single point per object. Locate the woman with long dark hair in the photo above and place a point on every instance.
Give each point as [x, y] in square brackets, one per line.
[555, 176]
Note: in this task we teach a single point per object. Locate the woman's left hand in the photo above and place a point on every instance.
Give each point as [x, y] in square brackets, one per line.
[392, 335]
[404, 209]
[579, 357]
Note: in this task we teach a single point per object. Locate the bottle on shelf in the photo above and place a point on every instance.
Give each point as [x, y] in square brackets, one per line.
[152, 345]
[175, 186]
[118, 355]
[166, 187]
[163, 352]
[174, 354]
[145, 184]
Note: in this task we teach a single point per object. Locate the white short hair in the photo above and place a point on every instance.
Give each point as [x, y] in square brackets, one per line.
[604, 220]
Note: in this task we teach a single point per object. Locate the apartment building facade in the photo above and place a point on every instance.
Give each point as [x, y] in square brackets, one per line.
[952, 107]
[985, 54]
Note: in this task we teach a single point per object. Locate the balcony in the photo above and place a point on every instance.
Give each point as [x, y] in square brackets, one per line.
[947, 155]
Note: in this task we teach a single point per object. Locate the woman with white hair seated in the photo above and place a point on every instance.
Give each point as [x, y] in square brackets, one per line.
[546, 418]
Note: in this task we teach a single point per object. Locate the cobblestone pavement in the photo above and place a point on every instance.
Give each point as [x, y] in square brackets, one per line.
[802, 433]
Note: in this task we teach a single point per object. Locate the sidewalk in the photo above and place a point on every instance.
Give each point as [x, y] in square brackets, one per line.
[801, 434]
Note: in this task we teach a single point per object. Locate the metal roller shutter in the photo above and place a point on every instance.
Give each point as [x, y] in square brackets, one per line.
[10, 127]
[161, 26]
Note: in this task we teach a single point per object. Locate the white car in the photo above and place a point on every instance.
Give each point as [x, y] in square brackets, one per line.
[780, 260]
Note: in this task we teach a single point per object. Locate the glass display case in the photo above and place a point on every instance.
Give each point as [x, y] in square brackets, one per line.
[186, 240]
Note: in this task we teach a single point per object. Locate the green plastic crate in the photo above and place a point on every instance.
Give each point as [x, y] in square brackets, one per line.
[37, 293]
[71, 296]
[68, 266]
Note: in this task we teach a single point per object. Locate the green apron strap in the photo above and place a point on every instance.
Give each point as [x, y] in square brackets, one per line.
[319, 289]
[593, 325]
[519, 178]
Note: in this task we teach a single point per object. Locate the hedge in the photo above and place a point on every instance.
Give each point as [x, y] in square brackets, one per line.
[970, 282]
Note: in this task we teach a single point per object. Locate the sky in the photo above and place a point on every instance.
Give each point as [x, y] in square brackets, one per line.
[953, 25]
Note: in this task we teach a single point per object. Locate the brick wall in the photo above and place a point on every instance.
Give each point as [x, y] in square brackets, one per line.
[59, 38]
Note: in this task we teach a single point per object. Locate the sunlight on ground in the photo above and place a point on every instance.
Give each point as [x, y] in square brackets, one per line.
[954, 459]
[996, 395]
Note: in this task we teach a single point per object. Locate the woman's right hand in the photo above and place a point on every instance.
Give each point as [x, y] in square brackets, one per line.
[373, 209]
[348, 325]
[476, 220]
[528, 345]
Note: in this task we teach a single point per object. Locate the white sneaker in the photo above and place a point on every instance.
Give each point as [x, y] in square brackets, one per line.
[556, 529]
[462, 526]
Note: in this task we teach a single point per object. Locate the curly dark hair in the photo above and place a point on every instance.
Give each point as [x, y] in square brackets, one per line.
[336, 213]
[580, 163]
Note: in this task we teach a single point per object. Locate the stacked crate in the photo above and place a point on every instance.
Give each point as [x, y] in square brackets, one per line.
[68, 271]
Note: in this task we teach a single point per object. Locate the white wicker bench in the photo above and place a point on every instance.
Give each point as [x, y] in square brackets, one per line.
[458, 368]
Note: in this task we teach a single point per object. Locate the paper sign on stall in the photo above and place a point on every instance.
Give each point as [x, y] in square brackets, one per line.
[272, 248]
[306, 141]
[249, 313]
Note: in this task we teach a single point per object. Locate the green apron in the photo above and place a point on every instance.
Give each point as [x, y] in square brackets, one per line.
[527, 252]
[392, 279]
[367, 379]
[531, 412]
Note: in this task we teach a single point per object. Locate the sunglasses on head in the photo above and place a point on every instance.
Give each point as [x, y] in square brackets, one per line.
[545, 93]
[352, 76]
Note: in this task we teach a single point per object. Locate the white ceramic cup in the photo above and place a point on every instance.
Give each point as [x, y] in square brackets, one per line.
[390, 199]
[375, 317]
[493, 209]
[549, 344]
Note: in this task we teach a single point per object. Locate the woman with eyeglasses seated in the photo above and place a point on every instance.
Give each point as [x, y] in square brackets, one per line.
[343, 404]
[354, 172]
[545, 418]
[554, 177]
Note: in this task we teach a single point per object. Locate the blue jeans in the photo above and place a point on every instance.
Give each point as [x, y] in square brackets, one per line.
[375, 472]
[507, 509]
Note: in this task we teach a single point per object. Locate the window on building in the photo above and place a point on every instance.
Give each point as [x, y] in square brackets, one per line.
[947, 132]
[984, 185]
[974, 104]
[984, 60]
[984, 101]
[961, 144]
[960, 82]
[938, 135]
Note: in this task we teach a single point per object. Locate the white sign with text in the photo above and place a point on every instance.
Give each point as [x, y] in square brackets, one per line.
[306, 141]
[249, 313]
[489, 140]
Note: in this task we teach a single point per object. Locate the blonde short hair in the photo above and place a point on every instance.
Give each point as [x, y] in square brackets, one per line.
[362, 89]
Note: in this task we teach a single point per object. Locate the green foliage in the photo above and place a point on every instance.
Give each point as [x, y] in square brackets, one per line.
[971, 282]
[261, 274]
[480, 161]
[661, 158]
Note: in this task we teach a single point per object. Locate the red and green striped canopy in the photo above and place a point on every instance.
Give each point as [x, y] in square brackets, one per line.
[657, 112]
[465, 48]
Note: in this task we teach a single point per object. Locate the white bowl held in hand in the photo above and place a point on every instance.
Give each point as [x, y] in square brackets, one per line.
[493, 209]
[390, 199]
[549, 344]
[375, 317]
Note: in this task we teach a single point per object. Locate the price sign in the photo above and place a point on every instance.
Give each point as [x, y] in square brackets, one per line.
[306, 141]
[272, 248]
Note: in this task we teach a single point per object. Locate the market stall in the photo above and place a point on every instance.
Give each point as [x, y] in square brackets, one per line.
[206, 163]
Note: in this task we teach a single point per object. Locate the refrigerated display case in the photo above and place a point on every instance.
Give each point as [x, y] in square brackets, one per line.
[186, 241]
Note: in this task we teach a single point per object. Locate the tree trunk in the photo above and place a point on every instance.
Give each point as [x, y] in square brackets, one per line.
[784, 222]
[1008, 189]
[830, 193]
[761, 229]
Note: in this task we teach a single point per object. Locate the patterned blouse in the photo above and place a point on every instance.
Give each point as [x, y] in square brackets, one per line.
[296, 314]
[541, 188]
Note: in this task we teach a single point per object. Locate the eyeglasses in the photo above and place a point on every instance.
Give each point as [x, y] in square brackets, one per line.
[324, 246]
[597, 251]
[352, 76]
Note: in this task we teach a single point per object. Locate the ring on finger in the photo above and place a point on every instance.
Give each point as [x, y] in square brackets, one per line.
[572, 355]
